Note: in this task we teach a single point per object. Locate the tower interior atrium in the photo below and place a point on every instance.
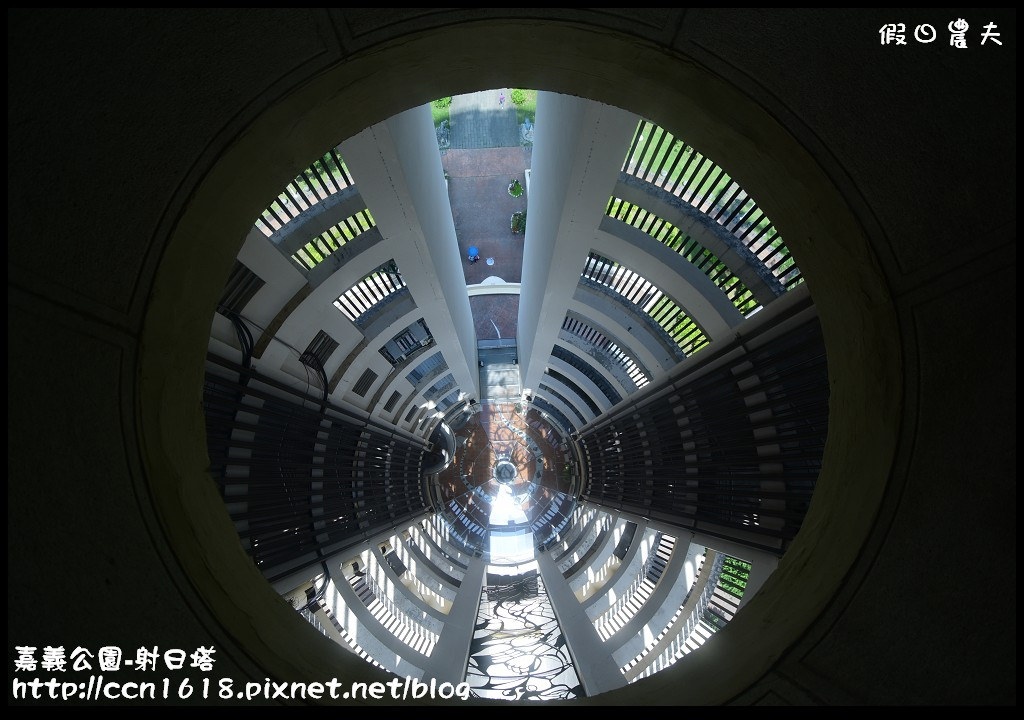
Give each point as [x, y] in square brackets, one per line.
[627, 357]
[562, 506]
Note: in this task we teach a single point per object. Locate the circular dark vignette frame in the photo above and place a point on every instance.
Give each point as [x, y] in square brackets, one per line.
[856, 313]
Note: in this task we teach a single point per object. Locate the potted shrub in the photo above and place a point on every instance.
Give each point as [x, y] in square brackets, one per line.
[519, 221]
[515, 188]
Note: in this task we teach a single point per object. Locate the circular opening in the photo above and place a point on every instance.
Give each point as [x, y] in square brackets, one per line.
[856, 317]
[505, 472]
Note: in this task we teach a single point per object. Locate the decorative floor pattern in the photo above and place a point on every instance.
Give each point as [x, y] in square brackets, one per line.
[518, 651]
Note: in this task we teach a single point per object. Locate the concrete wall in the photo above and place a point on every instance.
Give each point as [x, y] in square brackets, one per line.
[578, 152]
[399, 174]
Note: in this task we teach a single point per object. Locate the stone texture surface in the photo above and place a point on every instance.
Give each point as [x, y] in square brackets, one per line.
[881, 80]
[484, 119]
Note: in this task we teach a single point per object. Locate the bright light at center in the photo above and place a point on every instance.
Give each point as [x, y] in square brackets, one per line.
[505, 509]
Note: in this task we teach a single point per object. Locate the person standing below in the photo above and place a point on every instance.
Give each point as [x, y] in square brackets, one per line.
[501, 99]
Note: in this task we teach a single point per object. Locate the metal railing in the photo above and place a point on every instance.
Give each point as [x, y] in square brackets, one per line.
[298, 475]
[668, 162]
[416, 636]
[675, 239]
[588, 371]
[602, 342]
[320, 247]
[710, 430]
[677, 648]
[325, 176]
[373, 289]
[648, 299]
[625, 608]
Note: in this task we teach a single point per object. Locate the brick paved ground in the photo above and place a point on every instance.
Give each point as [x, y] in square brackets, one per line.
[482, 208]
[484, 159]
[479, 120]
[495, 310]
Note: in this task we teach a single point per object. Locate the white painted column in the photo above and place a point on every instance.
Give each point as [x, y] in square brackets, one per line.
[397, 168]
[451, 654]
[579, 146]
[592, 658]
[762, 563]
